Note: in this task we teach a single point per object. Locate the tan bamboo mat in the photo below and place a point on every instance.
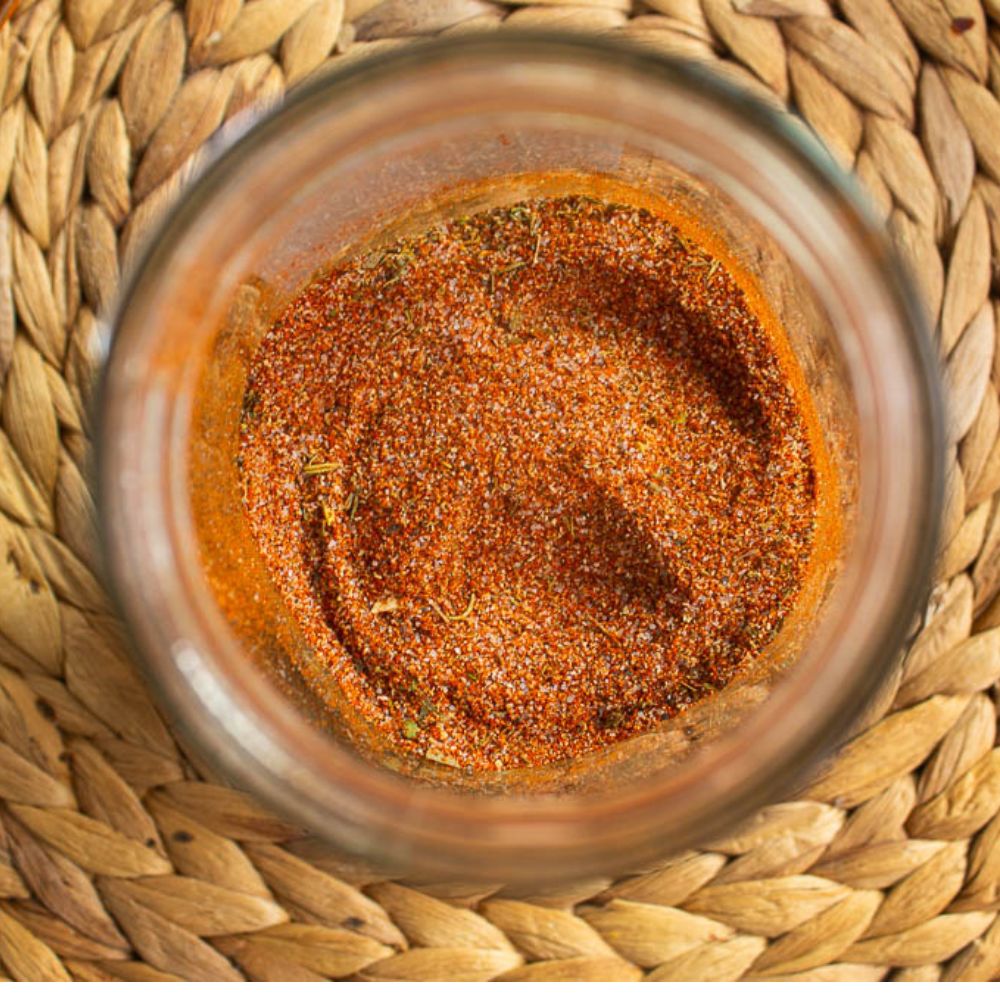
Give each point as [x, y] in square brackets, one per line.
[117, 862]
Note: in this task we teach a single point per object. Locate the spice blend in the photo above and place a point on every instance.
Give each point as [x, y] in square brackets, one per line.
[531, 482]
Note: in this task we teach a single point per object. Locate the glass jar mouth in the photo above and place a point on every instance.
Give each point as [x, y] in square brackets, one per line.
[227, 710]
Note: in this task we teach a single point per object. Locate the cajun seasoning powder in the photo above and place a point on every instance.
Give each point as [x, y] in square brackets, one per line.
[530, 483]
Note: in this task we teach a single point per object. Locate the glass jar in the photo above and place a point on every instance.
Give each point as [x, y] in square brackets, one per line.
[390, 146]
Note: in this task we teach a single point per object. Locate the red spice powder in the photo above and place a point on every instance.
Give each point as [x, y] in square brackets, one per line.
[530, 483]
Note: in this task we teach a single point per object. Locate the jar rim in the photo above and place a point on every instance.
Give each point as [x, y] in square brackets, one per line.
[452, 840]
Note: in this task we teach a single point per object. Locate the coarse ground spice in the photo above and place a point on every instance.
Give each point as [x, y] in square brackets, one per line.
[530, 483]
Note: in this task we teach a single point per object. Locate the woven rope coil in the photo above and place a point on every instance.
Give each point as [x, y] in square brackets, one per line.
[118, 862]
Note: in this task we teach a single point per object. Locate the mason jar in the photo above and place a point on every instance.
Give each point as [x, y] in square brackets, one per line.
[390, 146]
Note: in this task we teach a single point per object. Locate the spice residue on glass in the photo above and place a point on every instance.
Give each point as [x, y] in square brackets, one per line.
[531, 482]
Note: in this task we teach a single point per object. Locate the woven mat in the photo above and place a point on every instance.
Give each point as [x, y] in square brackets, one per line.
[118, 862]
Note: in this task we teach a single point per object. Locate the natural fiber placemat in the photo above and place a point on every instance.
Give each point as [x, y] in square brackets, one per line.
[118, 862]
